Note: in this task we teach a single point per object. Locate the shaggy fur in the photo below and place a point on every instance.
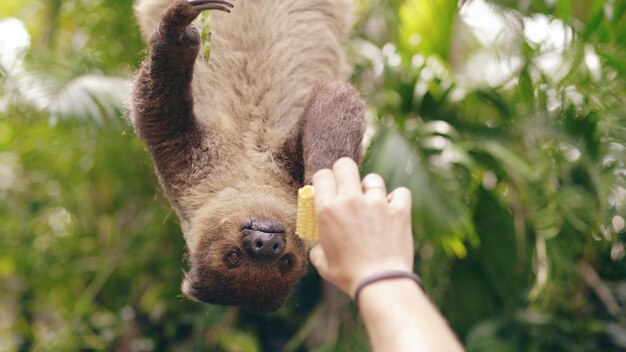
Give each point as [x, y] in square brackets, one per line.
[233, 140]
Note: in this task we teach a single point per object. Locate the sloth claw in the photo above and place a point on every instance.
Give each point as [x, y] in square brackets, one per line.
[176, 21]
[201, 5]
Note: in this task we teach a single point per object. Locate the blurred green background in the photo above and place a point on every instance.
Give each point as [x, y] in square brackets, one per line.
[506, 118]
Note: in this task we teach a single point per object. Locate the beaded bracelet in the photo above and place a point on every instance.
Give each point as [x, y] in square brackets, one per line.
[385, 275]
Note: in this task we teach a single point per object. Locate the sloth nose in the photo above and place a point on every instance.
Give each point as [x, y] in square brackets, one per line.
[264, 246]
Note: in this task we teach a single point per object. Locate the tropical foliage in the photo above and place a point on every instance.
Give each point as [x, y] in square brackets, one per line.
[505, 118]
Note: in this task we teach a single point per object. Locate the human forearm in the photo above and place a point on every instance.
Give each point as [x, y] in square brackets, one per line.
[399, 317]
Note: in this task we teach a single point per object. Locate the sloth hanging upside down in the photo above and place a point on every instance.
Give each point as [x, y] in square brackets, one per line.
[234, 138]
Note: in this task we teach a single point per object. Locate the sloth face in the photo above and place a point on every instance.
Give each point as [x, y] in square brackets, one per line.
[245, 253]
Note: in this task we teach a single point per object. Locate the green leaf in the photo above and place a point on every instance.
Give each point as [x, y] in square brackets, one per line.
[440, 196]
[426, 27]
[239, 341]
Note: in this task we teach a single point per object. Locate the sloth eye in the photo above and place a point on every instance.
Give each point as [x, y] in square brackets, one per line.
[286, 263]
[233, 258]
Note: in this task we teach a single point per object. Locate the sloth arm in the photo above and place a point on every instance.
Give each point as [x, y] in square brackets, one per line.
[163, 101]
[332, 127]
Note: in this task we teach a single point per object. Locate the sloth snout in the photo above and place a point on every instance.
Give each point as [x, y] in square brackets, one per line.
[264, 246]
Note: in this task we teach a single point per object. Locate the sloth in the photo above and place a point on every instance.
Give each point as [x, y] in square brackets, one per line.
[232, 139]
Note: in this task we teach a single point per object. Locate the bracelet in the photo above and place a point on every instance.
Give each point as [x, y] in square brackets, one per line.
[385, 275]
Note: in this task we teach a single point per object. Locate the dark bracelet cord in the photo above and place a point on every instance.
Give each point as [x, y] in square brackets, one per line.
[385, 275]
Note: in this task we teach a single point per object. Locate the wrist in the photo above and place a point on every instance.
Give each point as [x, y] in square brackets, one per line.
[400, 317]
[383, 277]
[357, 277]
[391, 298]
[388, 292]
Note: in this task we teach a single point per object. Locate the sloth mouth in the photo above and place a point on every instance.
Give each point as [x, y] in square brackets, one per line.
[263, 225]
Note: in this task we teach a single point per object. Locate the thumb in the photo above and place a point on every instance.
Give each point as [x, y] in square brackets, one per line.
[318, 259]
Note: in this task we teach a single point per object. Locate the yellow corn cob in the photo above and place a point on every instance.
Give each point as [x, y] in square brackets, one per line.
[306, 225]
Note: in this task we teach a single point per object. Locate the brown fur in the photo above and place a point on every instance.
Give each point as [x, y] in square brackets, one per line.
[233, 140]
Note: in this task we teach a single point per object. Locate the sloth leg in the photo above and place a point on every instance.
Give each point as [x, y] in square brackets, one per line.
[162, 95]
[333, 127]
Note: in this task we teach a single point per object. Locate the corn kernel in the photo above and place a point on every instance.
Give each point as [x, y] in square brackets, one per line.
[306, 224]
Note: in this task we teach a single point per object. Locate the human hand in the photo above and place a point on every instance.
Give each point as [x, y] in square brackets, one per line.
[362, 230]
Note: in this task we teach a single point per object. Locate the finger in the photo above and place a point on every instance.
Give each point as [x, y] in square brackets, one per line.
[318, 259]
[325, 187]
[374, 186]
[347, 177]
[400, 199]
